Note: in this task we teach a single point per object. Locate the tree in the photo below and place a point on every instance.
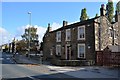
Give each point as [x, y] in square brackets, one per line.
[13, 45]
[110, 10]
[31, 36]
[6, 47]
[31, 33]
[118, 7]
[21, 46]
[96, 15]
[83, 15]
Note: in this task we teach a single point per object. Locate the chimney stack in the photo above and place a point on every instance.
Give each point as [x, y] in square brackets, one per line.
[65, 23]
[102, 10]
[49, 28]
[109, 0]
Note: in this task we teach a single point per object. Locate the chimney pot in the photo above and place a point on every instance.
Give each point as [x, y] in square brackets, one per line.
[102, 6]
[48, 24]
[65, 23]
[49, 28]
[102, 10]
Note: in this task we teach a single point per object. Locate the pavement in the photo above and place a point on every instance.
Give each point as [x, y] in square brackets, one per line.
[22, 59]
[78, 72]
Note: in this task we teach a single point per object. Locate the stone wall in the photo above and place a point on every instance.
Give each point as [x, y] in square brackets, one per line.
[119, 28]
[102, 35]
[116, 33]
[49, 42]
[97, 37]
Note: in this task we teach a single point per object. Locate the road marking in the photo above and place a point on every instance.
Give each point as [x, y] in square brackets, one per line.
[1, 58]
[31, 65]
[32, 78]
[8, 58]
[60, 69]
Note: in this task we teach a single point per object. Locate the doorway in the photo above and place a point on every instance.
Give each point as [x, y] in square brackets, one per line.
[68, 52]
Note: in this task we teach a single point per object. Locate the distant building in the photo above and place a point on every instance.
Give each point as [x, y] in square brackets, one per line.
[4, 47]
[79, 41]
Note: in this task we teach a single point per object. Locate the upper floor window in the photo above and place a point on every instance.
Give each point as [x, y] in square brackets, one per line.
[81, 50]
[58, 49]
[58, 37]
[68, 34]
[110, 33]
[115, 34]
[81, 32]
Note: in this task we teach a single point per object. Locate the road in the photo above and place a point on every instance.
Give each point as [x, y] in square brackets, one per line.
[12, 71]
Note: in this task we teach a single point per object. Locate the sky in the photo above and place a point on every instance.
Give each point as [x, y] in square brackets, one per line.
[15, 17]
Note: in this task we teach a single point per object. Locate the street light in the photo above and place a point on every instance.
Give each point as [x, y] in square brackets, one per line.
[29, 18]
[29, 32]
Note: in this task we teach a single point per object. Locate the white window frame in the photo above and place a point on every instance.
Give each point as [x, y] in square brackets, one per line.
[115, 34]
[68, 30]
[79, 50]
[51, 52]
[110, 33]
[58, 49]
[58, 35]
[80, 34]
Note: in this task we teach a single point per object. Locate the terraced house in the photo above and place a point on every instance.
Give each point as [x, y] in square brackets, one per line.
[75, 44]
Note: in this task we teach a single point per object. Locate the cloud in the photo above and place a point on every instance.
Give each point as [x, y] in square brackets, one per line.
[73, 22]
[21, 30]
[3, 31]
[55, 25]
[5, 36]
[40, 30]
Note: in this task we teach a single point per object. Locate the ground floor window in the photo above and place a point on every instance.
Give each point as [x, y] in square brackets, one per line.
[51, 52]
[58, 49]
[81, 50]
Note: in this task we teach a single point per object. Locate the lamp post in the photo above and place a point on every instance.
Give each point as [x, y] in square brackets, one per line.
[29, 32]
[29, 18]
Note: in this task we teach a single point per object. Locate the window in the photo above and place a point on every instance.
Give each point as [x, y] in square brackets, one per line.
[58, 49]
[68, 35]
[81, 50]
[58, 37]
[51, 52]
[111, 33]
[81, 32]
[115, 34]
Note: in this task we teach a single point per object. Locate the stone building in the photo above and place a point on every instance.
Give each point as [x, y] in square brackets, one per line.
[78, 42]
[116, 29]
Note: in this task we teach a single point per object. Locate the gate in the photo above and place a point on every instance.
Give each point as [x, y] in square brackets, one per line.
[108, 58]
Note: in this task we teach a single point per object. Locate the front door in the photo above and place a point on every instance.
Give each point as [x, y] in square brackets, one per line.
[68, 52]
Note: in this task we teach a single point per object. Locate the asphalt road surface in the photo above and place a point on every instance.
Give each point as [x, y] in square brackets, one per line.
[12, 71]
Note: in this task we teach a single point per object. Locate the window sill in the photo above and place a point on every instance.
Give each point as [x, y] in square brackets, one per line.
[58, 41]
[81, 39]
[58, 55]
[67, 40]
[81, 58]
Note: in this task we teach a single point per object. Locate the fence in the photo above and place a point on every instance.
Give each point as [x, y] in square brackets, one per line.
[108, 58]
